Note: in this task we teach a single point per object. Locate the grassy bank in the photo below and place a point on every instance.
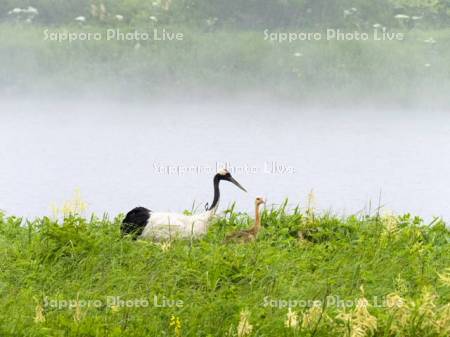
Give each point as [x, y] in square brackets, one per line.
[411, 72]
[56, 278]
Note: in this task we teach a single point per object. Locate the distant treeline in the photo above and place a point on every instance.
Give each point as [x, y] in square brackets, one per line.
[239, 14]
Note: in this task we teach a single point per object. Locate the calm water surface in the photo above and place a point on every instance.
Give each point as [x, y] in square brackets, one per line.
[163, 156]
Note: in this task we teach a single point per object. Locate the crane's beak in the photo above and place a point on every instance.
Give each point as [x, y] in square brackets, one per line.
[232, 180]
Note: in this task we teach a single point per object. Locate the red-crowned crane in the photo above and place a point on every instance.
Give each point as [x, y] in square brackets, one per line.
[146, 224]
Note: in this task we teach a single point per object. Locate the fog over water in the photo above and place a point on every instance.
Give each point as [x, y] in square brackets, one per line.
[122, 155]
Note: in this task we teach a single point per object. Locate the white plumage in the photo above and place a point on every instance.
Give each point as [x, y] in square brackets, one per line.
[170, 225]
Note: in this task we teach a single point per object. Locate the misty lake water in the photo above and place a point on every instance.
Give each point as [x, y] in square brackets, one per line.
[163, 156]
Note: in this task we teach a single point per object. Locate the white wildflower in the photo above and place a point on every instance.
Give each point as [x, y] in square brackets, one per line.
[39, 316]
[15, 11]
[312, 316]
[211, 21]
[31, 10]
[244, 326]
[291, 320]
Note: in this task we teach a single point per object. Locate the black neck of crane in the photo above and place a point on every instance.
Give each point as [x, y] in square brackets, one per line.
[216, 192]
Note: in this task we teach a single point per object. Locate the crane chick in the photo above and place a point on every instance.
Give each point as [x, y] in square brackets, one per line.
[248, 235]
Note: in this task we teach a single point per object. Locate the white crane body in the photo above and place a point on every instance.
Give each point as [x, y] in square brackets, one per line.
[146, 224]
[163, 225]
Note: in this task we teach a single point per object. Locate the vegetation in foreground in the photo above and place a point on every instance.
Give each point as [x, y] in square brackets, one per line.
[355, 276]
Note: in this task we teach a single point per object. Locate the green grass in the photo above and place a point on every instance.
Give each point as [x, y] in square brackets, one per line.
[46, 261]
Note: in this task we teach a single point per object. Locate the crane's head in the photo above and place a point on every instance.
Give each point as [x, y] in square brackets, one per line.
[223, 174]
[259, 201]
